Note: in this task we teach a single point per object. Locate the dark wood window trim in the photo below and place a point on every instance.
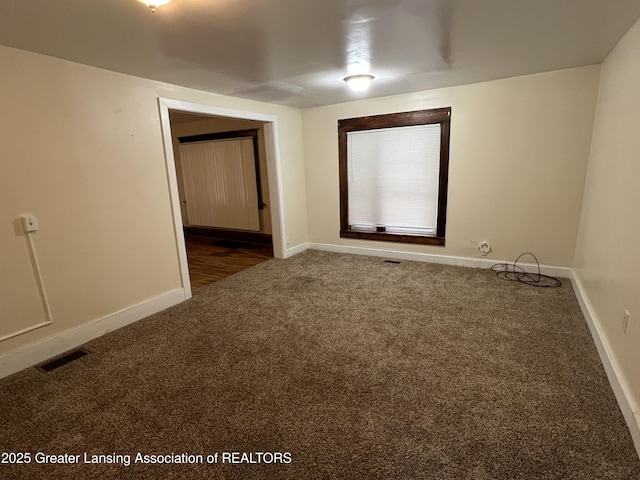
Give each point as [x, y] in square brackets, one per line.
[253, 133]
[440, 116]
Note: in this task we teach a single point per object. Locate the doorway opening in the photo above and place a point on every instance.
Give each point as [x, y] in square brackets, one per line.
[212, 259]
[224, 180]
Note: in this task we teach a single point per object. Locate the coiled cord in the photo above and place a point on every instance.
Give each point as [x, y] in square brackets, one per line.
[517, 273]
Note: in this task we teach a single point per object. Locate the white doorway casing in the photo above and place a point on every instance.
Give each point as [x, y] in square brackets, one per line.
[273, 173]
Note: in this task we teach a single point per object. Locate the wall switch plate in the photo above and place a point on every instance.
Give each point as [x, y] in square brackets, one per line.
[29, 223]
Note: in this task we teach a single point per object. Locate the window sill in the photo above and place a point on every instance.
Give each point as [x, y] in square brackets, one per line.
[392, 237]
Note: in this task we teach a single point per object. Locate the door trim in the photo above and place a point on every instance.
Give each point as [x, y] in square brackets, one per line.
[273, 173]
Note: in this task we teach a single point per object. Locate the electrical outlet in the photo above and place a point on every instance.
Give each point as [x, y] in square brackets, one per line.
[484, 248]
[475, 264]
[625, 321]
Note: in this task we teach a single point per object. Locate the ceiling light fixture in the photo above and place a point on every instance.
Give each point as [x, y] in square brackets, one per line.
[359, 83]
[154, 4]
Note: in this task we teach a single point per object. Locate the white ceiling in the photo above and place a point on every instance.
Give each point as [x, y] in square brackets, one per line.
[296, 52]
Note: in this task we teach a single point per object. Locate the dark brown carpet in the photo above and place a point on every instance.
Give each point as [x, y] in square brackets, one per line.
[359, 369]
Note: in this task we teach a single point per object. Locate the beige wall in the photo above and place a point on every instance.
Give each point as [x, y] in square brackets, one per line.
[217, 125]
[607, 260]
[518, 159]
[81, 148]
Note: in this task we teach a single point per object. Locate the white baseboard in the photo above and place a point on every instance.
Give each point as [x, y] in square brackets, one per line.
[629, 407]
[290, 252]
[35, 353]
[459, 261]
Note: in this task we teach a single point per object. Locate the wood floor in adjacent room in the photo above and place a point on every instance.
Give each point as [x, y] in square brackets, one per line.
[212, 259]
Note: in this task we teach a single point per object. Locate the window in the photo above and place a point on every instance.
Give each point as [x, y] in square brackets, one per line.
[393, 176]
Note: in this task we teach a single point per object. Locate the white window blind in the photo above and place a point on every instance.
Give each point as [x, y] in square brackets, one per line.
[220, 184]
[393, 178]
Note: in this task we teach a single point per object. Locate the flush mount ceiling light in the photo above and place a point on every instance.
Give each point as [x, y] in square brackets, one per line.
[359, 83]
[154, 4]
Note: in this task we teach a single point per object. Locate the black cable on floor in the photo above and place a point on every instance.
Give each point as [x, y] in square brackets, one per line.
[517, 273]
